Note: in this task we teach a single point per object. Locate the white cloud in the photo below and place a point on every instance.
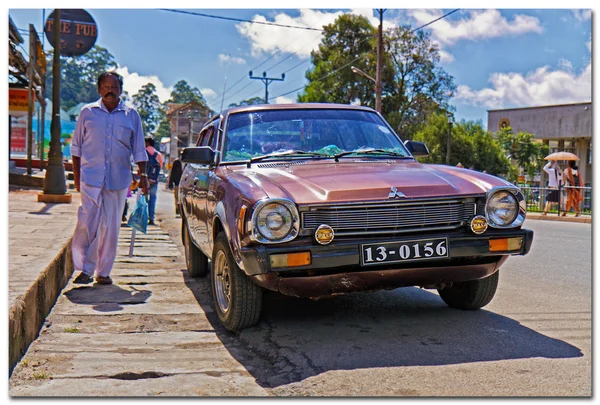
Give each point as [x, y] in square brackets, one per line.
[228, 58]
[446, 57]
[270, 39]
[582, 15]
[284, 100]
[589, 44]
[479, 24]
[543, 86]
[133, 82]
[208, 93]
[565, 64]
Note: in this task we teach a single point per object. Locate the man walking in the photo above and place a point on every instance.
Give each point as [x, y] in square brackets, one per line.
[106, 135]
[174, 179]
[155, 164]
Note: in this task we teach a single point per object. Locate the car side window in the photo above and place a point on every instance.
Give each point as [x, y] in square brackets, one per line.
[206, 136]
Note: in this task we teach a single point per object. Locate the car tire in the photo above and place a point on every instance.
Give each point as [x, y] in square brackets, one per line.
[237, 299]
[195, 261]
[470, 294]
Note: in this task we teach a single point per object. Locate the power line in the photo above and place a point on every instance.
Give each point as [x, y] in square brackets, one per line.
[256, 67]
[240, 20]
[437, 19]
[364, 53]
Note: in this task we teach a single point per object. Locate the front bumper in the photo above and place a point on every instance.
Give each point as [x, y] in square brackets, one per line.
[336, 268]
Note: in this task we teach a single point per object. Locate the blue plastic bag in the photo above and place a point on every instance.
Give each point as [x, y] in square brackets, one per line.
[139, 217]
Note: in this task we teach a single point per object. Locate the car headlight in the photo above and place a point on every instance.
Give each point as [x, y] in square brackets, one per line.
[275, 221]
[505, 208]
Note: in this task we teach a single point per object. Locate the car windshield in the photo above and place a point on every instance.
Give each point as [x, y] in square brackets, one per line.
[327, 132]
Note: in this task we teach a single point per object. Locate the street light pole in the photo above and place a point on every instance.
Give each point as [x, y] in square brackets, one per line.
[377, 97]
[450, 121]
[55, 188]
[379, 62]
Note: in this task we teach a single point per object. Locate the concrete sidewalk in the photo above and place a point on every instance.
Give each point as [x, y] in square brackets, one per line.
[146, 335]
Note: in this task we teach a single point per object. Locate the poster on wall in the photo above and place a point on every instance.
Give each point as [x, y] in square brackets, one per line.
[18, 136]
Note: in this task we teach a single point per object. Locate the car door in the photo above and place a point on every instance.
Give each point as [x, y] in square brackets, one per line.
[200, 191]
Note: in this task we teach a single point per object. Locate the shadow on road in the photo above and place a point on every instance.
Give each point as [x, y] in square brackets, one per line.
[107, 298]
[299, 338]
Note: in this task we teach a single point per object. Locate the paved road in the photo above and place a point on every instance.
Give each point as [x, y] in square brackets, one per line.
[534, 339]
[154, 333]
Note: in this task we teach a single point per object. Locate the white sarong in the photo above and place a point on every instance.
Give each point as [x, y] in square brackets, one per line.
[94, 245]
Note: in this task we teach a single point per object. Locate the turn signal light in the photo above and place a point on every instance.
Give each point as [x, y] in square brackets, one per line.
[290, 259]
[505, 244]
[241, 220]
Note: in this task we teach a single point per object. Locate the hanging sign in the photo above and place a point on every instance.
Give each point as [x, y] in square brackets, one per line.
[18, 101]
[78, 31]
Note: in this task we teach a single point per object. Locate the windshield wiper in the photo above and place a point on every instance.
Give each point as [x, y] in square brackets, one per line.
[287, 153]
[370, 152]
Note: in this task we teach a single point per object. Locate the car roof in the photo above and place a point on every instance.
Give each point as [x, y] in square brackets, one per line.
[295, 106]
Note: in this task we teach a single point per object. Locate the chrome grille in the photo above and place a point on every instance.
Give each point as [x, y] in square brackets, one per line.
[390, 218]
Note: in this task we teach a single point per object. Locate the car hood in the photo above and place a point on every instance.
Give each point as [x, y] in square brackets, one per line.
[331, 182]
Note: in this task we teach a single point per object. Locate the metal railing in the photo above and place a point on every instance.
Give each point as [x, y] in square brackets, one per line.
[536, 199]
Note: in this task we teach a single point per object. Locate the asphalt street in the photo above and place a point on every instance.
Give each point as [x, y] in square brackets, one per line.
[533, 339]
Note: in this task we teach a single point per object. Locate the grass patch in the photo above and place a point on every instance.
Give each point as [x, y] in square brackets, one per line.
[42, 375]
[71, 330]
[25, 363]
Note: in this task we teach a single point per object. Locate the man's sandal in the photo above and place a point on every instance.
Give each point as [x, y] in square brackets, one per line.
[103, 280]
[83, 278]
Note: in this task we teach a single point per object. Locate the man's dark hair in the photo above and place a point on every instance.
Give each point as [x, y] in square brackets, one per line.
[149, 139]
[113, 74]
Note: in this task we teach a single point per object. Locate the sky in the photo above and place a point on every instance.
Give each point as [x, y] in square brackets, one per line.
[499, 57]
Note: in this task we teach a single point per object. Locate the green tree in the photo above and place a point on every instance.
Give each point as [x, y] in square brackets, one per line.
[471, 145]
[148, 106]
[184, 93]
[347, 38]
[250, 101]
[420, 86]
[79, 75]
[414, 86]
[524, 149]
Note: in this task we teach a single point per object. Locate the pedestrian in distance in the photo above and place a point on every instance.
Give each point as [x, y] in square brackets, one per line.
[107, 134]
[155, 164]
[572, 178]
[173, 183]
[554, 175]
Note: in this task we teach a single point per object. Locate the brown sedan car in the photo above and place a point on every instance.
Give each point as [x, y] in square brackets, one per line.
[313, 200]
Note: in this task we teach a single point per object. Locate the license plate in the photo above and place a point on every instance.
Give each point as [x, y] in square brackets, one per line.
[408, 250]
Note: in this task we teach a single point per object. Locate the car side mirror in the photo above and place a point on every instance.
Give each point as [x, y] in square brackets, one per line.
[200, 155]
[417, 148]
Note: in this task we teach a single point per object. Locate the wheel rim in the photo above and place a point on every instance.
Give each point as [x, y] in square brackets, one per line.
[222, 281]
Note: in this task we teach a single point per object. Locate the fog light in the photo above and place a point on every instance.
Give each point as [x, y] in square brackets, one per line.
[505, 244]
[290, 259]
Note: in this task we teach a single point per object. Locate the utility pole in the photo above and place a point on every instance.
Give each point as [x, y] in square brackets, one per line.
[266, 80]
[379, 62]
[55, 188]
[450, 122]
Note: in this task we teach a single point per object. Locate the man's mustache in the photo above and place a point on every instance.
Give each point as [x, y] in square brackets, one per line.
[110, 93]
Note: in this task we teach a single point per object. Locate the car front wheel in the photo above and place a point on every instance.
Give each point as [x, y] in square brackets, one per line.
[237, 299]
[195, 261]
[470, 294]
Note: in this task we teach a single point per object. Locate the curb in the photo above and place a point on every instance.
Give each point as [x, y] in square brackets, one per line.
[25, 180]
[28, 313]
[554, 217]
